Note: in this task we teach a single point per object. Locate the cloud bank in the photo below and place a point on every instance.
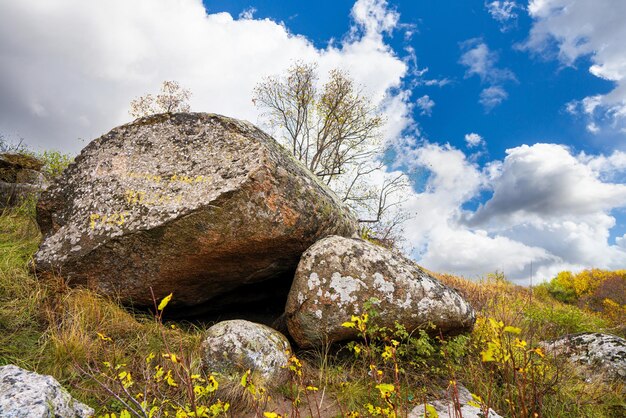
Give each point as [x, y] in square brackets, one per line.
[70, 68]
[546, 206]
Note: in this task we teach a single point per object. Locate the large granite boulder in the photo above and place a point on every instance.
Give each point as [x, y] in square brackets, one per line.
[233, 347]
[20, 178]
[191, 203]
[25, 394]
[598, 355]
[337, 275]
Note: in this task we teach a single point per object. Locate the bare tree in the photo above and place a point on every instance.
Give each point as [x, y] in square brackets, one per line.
[326, 129]
[172, 98]
[335, 130]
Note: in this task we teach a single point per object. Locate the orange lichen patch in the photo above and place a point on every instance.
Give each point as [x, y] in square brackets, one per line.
[196, 237]
[289, 216]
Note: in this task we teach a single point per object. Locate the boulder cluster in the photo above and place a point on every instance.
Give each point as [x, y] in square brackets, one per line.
[214, 211]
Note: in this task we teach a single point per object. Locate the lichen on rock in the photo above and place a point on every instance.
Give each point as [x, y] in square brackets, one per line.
[191, 203]
[25, 394]
[603, 355]
[452, 405]
[235, 346]
[20, 179]
[337, 275]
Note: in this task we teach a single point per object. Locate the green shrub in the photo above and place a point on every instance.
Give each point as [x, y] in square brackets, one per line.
[556, 320]
[54, 162]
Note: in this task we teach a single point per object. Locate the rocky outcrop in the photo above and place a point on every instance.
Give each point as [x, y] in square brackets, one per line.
[20, 179]
[31, 395]
[602, 355]
[233, 347]
[194, 204]
[446, 408]
[337, 275]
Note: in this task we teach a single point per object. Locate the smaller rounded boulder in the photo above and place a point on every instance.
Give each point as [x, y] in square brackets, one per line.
[463, 406]
[336, 276]
[25, 394]
[603, 355]
[236, 346]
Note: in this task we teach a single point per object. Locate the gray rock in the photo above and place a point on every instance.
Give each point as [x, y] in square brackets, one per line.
[598, 354]
[14, 162]
[191, 203]
[337, 275]
[31, 395]
[20, 179]
[445, 407]
[233, 347]
[14, 194]
[32, 177]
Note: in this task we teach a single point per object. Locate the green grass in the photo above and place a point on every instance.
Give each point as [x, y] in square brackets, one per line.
[20, 293]
[52, 329]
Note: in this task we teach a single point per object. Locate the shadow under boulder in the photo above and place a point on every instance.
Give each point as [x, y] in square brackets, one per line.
[194, 204]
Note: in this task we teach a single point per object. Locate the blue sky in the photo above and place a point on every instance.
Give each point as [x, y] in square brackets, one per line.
[509, 116]
[535, 109]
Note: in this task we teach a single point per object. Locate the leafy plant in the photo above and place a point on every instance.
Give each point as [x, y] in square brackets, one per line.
[158, 392]
[55, 163]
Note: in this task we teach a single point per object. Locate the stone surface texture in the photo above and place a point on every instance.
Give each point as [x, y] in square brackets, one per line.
[25, 394]
[20, 178]
[445, 407]
[337, 275]
[598, 353]
[191, 203]
[233, 347]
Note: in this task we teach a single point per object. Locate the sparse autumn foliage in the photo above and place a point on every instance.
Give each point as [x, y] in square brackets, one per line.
[172, 98]
[328, 129]
[49, 328]
[335, 130]
[596, 290]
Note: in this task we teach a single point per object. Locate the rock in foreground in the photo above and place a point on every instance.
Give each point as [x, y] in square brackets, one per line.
[194, 204]
[599, 354]
[233, 347]
[31, 395]
[446, 407]
[337, 275]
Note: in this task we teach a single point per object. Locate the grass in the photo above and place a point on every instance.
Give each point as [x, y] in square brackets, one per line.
[68, 333]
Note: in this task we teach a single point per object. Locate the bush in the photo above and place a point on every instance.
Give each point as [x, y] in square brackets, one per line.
[595, 290]
[54, 163]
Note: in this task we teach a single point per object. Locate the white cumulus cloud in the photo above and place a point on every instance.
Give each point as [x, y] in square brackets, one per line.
[70, 68]
[473, 140]
[482, 62]
[545, 205]
[504, 12]
[492, 97]
[426, 104]
[586, 28]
